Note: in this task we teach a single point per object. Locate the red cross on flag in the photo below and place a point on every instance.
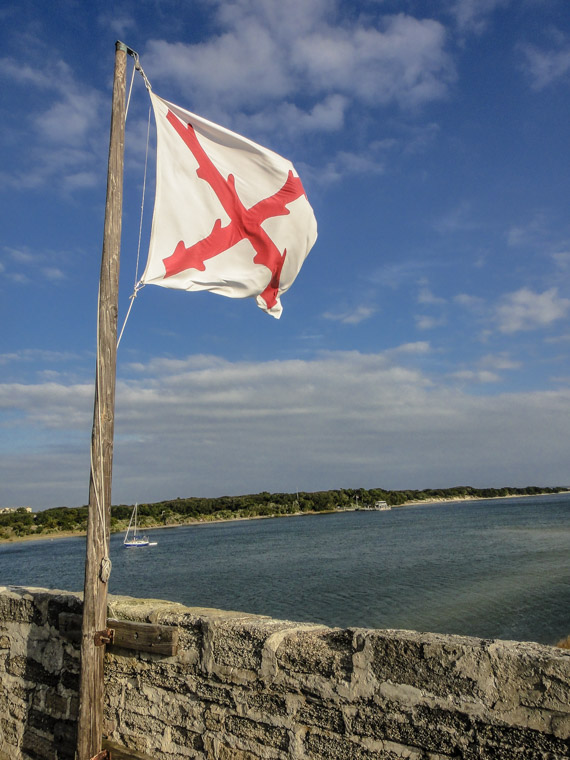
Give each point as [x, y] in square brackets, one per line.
[230, 216]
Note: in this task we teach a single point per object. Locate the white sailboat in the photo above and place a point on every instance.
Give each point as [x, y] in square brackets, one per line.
[134, 540]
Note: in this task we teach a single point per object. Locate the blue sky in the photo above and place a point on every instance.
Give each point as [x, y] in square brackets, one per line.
[425, 341]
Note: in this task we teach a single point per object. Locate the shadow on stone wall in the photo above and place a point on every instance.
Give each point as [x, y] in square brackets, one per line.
[40, 677]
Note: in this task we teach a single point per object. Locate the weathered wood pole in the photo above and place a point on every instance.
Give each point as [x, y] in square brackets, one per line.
[90, 725]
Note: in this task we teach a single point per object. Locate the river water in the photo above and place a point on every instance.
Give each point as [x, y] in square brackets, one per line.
[494, 569]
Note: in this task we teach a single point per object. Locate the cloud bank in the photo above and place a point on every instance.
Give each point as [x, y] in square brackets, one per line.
[207, 426]
[272, 54]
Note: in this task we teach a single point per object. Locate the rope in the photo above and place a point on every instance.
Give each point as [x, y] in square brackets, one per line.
[132, 297]
[105, 570]
[130, 91]
[138, 285]
[138, 67]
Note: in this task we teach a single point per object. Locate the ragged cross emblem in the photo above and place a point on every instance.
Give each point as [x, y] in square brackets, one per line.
[244, 222]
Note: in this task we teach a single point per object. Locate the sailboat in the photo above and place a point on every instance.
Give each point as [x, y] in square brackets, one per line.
[135, 540]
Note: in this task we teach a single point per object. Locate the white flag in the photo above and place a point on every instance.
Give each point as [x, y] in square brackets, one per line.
[230, 216]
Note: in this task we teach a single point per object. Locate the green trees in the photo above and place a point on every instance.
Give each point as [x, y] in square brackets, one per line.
[20, 523]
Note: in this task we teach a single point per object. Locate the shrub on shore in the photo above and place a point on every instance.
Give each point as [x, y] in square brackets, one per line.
[19, 523]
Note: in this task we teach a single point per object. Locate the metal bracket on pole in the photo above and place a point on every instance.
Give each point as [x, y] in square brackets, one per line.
[126, 49]
[104, 637]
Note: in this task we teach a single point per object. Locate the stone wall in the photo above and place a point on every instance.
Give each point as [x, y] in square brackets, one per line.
[244, 687]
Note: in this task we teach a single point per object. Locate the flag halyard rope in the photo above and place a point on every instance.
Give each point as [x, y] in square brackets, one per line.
[138, 285]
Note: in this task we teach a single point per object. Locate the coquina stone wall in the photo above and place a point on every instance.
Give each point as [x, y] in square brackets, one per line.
[244, 687]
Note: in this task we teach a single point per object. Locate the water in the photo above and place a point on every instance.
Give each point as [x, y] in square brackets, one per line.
[495, 569]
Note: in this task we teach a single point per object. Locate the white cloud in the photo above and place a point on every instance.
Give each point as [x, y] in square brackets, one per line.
[562, 259]
[457, 219]
[532, 233]
[23, 73]
[545, 67]
[36, 262]
[476, 376]
[352, 316]
[206, 426]
[425, 322]
[80, 180]
[49, 406]
[223, 68]
[305, 49]
[345, 164]
[565, 337]
[402, 61]
[418, 347]
[398, 273]
[22, 256]
[425, 296]
[53, 274]
[64, 142]
[473, 15]
[473, 303]
[528, 310]
[499, 361]
[324, 116]
[118, 22]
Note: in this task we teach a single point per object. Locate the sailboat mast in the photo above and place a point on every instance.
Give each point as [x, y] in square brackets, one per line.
[97, 563]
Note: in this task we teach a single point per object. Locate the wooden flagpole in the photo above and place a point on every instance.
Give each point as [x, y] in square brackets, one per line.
[97, 564]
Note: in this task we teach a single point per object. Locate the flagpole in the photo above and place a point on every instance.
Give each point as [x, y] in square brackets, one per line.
[97, 563]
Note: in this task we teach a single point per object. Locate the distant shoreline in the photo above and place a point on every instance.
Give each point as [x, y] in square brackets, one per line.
[197, 521]
[477, 498]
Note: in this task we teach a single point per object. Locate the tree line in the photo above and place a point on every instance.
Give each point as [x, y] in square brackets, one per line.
[179, 511]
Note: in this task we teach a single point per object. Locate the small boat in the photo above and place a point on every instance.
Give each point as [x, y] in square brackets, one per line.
[379, 506]
[135, 540]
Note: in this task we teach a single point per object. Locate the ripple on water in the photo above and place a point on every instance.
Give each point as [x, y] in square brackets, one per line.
[496, 569]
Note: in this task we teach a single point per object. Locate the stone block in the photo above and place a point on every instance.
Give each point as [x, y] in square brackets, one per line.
[214, 718]
[435, 664]
[62, 602]
[18, 606]
[503, 742]
[236, 643]
[326, 653]
[221, 751]
[531, 675]
[211, 693]
[255, 700]
[10, 731]
[329, 746]
[37, 746]
[443, 733]
[187, 738]
[142, 723]
[318, 713]
[40, 721]
[32, 671]
[261, 733]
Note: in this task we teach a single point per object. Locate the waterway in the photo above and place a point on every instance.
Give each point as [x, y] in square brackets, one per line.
[494, 569]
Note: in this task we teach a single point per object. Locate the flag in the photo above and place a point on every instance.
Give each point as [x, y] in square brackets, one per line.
[230, 216]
